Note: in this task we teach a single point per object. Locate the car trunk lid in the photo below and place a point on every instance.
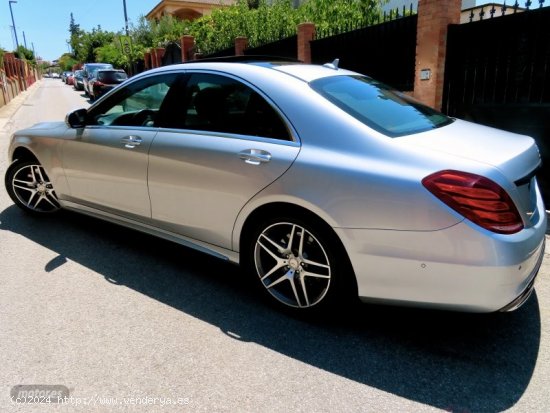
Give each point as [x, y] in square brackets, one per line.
[515, 156]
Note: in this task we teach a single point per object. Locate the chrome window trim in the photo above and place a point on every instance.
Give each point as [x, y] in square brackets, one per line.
[232, 136]
[122, 127]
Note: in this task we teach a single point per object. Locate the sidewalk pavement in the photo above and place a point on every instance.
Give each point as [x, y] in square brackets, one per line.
[7, 111]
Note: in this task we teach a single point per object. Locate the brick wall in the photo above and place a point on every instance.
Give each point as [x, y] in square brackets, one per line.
[434, 17]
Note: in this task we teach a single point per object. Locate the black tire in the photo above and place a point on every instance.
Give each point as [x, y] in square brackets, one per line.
[310, 279]
[30, 189]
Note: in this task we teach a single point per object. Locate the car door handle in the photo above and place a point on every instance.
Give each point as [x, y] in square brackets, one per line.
[255, 156]
[131, 141]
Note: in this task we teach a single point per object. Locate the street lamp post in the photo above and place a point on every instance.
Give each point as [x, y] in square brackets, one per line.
[130, 60]
[13, 22]
[125, 17]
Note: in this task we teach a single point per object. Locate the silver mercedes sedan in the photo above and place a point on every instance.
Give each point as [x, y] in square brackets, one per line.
[322, 183]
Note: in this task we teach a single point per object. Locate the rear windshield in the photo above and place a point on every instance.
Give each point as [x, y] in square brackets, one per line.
[92, 70]
[379, 106]
[112, 77]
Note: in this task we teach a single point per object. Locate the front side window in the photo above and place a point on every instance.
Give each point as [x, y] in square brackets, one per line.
[137, 104]
[222, 104]
[378, 106]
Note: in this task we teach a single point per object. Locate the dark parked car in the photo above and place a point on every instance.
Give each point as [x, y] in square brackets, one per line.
[105, 80]
[64, 76]
[78, 80]
[90, 70]
[69, 79]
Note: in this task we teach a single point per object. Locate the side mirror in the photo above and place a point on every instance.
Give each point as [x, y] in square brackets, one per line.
[76, 119]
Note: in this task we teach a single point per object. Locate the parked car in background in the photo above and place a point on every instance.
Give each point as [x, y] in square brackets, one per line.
[64, 75]
[55, 75]
[78, 82]
[323, 183]
[69, 80]
[90, 70]
[105, 80]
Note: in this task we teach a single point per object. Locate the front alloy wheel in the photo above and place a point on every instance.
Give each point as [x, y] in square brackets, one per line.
[293, 265]
[30, 188]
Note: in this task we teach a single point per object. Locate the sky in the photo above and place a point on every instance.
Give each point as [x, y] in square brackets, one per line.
[46, 22]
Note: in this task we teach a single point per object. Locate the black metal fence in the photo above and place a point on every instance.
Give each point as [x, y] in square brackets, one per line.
[172, 54]
[287, 47]
[498, 74]
[385, 51]
[229, 51]
[139, 66]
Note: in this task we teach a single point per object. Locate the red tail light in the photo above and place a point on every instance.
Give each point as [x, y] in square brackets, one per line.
[479, 199]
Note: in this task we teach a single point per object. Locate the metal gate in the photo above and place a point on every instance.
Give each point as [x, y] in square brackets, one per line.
[386, 51]
[498, 74]
[172, 54]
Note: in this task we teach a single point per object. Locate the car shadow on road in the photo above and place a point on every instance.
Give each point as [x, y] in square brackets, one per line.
[455, 362]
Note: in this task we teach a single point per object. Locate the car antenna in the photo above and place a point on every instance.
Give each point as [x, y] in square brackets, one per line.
[333, 65]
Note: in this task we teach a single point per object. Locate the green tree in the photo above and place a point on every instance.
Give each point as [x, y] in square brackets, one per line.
[142, 33]
[67, 61]
[85, 51]
[111, 53]
[23, 53]
[167, 29]
[258, 20]
[76, 34]
[335, 14]
[118, 55]
[262, 22]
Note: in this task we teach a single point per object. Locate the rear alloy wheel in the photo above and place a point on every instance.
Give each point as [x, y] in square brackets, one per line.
[30, 188]
[296, 264]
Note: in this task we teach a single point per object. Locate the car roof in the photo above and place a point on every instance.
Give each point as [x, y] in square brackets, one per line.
[294, 68]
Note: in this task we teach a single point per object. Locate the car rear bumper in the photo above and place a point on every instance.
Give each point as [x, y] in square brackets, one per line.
[463, 268]
[524, 296]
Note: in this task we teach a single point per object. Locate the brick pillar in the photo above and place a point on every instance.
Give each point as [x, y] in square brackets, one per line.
[434, 17]
[158, 53]
[20, 74]
[8, 64]
[187, 48]
[241, 43]
[147, 60]
[306, 33]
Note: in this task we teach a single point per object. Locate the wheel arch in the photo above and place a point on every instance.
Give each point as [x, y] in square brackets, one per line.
[22, 153]
[276, 208]
[299, 212]
[285, 208]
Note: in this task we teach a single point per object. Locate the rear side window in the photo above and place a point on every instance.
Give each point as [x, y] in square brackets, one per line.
[378, 106]
[221, 104]
[91, 70]
[112, 77]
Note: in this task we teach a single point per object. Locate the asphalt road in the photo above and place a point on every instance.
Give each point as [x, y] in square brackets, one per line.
[114, 315]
